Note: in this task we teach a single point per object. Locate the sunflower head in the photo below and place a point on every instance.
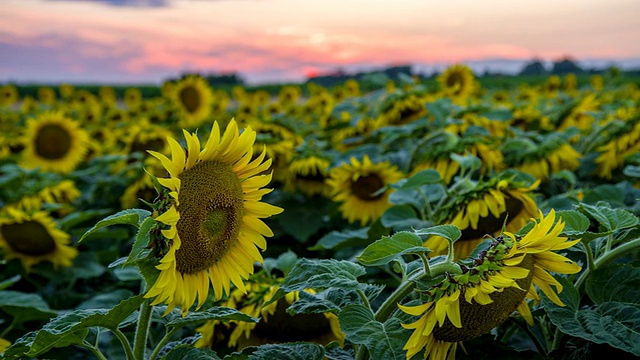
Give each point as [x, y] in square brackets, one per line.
[46, 95]
[457, 81]
[361, 187]
[8, 95]
[33, 237]
[485, 210]
[192, 97]
[208, 214]
[490, 287]
[275, 326]
[54, 142]
[133, 98]
[308, 174]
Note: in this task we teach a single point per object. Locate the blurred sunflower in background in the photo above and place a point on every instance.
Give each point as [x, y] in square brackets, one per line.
[482, 211]
[53, 142]
[401, 108]
[362, 188]
[275, 326]
[308, 174]
[457, 82]
[209, 217]
[8, 95]
[133, 98]
[491, 287]
[46, 95]
[623, 142]
[541, 160]
[61, 195]
[33, 237]
[193, 97]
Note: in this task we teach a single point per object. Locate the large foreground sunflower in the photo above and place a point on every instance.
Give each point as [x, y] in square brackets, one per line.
[360, 187]
[212, 221]
[54, 142]
[483, 211]
[491, 287]
[33, 237]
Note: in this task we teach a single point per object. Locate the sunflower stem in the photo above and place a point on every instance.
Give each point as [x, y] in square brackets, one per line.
[94, 350]
[607, 257]
[390, 304]
[162, 342]
[364, 299]
[142, 330]
[427, 206]
[425, 261]
[125, 343]
[607, 247]
[6, 331]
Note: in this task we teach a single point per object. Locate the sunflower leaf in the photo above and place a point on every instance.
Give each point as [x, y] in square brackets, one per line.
[73, 327]
[428, 176]
[614, 323]
[575, 222]
[9, 282]
[402, 217]
[215, 313]
[133, 217]
[142, 240]
[449, 232]
[615, 283]
[189, 352]
[290, 351]
[341, 239]
[360, 327]
[25, 307]
[611, 219]
[388, 248]
[323, 274]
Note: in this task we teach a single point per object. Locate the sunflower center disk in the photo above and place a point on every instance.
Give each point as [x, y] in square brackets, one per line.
[29, 238]
[491, 224]
[190, 98]
[365, 187]
[52, 142]
[479, 319]
[211, 210]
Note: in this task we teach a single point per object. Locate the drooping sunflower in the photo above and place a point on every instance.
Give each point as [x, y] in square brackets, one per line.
[53, 142]
[491, 287]
[211, 223]
[402, 108]
[275, 326]
[33, 237]
[623, 142]
[308, 174]
[458, 82]
[360, 187]
[63, 194]
[193, 97]
[541, 160]
[482, 211]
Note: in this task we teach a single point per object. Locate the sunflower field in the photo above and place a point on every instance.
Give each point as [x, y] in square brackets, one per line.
[415, 219]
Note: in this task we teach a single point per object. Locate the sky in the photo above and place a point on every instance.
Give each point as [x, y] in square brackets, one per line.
[148, 41]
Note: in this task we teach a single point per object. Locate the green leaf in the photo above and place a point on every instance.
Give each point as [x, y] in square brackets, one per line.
[360, 327]
[142, 240]
[333, 351]
[614, 323]
[286, 261]
[290, 351]
[79, 217]
[9, 282]
[575, 222]
[428, 176]
[467, 162]
[24, 307]
[107, 300]
[619, 283]
[449, 232]
[323, 274]
[402, 217]
[632, 171]
[133, 217]
[189, 352]
[342, 239]
[214, 313]
[611, 219]
[73, 327]
[388, 248]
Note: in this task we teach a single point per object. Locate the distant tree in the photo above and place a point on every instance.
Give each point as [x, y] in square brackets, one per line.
[534, 67]
[566, 66]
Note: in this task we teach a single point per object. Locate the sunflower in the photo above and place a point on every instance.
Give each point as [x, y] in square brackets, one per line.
[212, 223]
[54, 142]
[308, 174]
[360, 187]
[33, 237]
[458, 82]
[275, 326]
[63, 193]
[402, 109]
[280, 142]
[491, 287]
[46, 95]
[579, 115]
[132, 98]
[549, 161]
[483, 211]
[193, 97]
[4, 344]
[529, 118]
[66, 90]
[551, 86]
[140, 189]
[8, 95]
[624, 142]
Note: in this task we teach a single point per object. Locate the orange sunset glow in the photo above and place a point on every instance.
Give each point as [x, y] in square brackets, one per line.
[133, 41]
